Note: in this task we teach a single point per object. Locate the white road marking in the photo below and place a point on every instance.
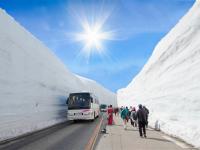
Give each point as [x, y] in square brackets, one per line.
[179, 143]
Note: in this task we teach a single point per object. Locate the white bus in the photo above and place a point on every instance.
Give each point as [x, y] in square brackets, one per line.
[82, 106]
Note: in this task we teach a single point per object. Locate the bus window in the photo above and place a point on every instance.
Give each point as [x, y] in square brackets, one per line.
[79, 101]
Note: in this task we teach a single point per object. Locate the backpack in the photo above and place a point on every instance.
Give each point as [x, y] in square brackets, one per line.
[134, 116]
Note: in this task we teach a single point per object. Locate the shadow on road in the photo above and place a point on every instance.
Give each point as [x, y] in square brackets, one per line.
[132, 130]
[84, 121]
[157, 139]
[117, 125]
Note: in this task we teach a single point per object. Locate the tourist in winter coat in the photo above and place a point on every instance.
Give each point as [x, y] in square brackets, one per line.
[133, 117]
[141, 116]
[124, 115]
[147, 114]
[110, 115]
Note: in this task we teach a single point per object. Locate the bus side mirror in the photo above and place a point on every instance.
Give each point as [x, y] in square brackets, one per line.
[91, 100]
[67, 101]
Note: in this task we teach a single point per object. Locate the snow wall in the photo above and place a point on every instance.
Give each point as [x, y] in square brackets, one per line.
[169, 83]
[34, 84]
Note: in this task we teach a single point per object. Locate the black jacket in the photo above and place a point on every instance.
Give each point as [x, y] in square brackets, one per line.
[141, 115]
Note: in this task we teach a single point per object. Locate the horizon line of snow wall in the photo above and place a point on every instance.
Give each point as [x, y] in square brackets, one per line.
[34, 84]
[169, 83]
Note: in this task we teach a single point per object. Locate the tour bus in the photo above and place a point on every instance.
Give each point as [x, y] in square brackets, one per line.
[82, 106]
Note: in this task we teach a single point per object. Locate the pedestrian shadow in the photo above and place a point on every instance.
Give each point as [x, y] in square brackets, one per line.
[149, 129]
[118, 125]
[157, 139]
[137, 129]
[131, 129]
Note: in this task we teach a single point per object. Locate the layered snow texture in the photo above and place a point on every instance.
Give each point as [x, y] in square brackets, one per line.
[34, 84]
[169, 83]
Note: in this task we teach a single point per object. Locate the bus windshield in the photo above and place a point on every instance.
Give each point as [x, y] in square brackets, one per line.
[103, 106]
[79, 101]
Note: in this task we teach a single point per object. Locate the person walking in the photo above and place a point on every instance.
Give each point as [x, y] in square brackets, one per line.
[128, 114]
[141, 116]
[116, 110]
[124, 114]
[110, 115]
[147, 115]
[133, 117]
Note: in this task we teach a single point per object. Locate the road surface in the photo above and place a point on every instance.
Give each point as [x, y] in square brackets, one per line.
[65, 136]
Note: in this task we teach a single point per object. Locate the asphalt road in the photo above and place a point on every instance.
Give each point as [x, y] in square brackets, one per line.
[65, 136]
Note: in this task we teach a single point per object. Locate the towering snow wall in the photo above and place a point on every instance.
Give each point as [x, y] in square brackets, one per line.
[34, 84]
[169, 83]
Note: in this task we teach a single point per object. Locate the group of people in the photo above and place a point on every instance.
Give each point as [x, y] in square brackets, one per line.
[138, 118]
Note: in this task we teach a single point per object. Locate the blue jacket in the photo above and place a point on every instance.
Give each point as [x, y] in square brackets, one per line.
[124, 113]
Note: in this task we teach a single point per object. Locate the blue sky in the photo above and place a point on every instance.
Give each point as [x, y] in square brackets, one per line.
[137, 26]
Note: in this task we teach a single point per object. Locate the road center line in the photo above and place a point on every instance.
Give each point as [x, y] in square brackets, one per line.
[91, 143]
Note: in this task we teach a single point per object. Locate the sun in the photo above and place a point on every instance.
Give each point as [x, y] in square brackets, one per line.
[92, 36]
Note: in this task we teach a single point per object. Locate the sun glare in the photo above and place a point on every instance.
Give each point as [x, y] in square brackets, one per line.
[92, 37]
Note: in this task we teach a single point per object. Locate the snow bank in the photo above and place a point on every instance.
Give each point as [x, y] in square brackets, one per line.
[169, 83]
[34, 84]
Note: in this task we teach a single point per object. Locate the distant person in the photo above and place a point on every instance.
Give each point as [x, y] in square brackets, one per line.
[133, 117]
[147, 114]
[130, 109]
[128, 114]
[141, 116]
[124, 114]
[121, 108]
[116, 110]
[110, 115]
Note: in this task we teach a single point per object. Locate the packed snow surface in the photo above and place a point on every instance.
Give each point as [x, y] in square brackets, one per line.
[34, 84]
[169, 83]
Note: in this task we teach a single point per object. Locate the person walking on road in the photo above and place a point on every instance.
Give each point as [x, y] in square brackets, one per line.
[147, 115]
[128, 114]
[133, 117]
[124, 115]
[116, 110]
[141, 116]
[110, 115]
